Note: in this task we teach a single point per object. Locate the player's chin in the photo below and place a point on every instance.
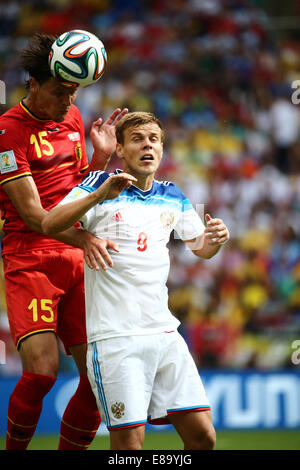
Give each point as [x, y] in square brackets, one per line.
[148, 167]
[60, 116]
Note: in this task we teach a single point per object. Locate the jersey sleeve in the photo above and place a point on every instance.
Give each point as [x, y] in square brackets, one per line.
[77, 193]
[93, 180]
[13, 152]
[189, 225]
[89, 184]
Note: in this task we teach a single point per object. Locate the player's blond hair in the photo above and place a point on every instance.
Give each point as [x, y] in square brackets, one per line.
[136, 119]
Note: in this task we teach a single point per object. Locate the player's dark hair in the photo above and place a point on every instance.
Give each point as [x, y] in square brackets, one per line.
[135, 119]
[34, 58]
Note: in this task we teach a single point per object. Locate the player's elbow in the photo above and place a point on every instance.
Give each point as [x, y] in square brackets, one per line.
[203, 254]
[48, 227]
[32, 221]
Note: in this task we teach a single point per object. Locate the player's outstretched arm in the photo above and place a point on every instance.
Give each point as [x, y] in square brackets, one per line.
[24, 195]
[63, 216]
[103, 137]
[209, 243]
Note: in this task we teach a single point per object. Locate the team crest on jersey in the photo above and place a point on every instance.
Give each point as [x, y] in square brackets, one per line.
[118, 409]
[7, 162]
[167, 219]
[78, 151]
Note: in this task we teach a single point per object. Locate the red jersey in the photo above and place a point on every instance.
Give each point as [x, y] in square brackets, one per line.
[53, 153]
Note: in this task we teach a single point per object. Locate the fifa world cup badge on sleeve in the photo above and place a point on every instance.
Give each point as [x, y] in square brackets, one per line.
[7, 162]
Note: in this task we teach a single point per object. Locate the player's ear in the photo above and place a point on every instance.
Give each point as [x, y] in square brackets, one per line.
[33, 84]
[119, 150]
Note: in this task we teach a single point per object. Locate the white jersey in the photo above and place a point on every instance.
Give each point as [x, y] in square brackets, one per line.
[131, 298]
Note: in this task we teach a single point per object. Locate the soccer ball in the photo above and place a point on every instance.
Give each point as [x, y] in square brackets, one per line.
[77, 58]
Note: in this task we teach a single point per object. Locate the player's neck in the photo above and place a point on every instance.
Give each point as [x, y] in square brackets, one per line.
[29, 103]
[143, 182]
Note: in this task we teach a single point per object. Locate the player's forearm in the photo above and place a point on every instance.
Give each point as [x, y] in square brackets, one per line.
[202, 248]
[64, 216]
[24, 196]
[207, 251]
[71, 236]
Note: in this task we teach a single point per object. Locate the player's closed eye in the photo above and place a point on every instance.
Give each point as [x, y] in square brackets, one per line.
[62, 93]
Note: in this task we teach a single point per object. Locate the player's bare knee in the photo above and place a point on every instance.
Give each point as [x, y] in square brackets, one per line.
[131, 446]
[43, 364]
[50, 368]
[127, 444]
[204, 440]
[132, 440]
[39, 359]
[209, 439]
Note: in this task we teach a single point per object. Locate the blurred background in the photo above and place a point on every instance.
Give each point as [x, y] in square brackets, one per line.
[221, 75]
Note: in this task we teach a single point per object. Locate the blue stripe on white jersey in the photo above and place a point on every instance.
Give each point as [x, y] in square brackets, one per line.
[94, 179]
[161, 191]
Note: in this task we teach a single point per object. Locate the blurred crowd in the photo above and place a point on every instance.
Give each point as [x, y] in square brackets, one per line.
[223, 81]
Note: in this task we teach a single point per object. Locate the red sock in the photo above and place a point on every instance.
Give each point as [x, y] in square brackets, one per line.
[81, 419]
[24, 408]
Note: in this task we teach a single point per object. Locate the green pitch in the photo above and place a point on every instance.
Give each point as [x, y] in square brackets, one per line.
[242, 440]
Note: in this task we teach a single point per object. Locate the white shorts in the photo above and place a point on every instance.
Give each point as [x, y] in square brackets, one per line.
[140, 378]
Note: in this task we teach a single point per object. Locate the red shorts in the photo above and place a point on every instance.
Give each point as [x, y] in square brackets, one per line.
[45, 292]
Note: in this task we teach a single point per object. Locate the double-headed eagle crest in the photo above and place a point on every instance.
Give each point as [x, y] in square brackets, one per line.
[118, 409]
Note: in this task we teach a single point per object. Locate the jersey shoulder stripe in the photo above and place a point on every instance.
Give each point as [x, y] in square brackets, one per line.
[93, 180]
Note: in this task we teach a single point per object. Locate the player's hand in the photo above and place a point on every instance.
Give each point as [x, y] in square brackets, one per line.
[216, 231]
[114, 185]
[96, 252]
[103, 134]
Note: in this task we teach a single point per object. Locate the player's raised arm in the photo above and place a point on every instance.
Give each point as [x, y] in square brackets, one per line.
[209, 243]
[61, 217]
[103, 137]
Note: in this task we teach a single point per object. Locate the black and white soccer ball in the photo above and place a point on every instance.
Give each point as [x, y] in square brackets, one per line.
[77, 58]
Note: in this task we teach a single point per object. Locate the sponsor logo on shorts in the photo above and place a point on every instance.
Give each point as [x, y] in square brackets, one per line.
[7, 161]
[118, 409]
